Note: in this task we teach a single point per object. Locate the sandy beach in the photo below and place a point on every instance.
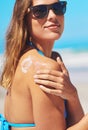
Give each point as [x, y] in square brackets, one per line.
[80, 80]
[2, 97]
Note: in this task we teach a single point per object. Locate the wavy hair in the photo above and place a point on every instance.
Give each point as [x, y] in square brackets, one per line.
[16, 38]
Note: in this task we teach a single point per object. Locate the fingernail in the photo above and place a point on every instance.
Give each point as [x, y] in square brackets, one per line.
[58, 58]
[36, 80]
[41, 86]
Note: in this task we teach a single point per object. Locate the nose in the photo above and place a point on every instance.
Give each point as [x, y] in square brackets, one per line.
[51, 14]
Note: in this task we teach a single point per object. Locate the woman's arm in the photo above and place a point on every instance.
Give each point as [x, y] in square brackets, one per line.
[74, 110]
[81, 125]
[63, 87]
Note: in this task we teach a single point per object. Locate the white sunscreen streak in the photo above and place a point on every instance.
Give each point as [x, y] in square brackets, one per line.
[26, 63]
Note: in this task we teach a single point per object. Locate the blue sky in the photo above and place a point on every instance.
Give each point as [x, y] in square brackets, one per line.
[76, 23]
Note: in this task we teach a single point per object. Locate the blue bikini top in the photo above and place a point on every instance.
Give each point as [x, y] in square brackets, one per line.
[34, 46]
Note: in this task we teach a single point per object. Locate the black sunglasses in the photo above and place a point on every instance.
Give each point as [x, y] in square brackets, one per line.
[41, 11]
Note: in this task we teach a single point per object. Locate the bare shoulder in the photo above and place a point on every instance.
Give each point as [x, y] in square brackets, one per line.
[32, 61]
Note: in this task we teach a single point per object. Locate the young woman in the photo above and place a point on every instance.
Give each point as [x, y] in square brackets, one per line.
[34, 27]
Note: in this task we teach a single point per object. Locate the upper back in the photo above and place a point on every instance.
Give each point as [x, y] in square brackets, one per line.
[36, 105]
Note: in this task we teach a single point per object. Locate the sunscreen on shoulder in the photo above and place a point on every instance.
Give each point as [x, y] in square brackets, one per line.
[26, 63]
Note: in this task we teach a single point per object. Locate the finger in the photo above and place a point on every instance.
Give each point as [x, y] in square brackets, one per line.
[48, 83]
[59, 93]
[63, 67]
[47, 90]
[51, 91]
[48, 77]
[49, 72]
[44, 76]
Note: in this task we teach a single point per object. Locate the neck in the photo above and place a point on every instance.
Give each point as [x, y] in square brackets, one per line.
[45, 47]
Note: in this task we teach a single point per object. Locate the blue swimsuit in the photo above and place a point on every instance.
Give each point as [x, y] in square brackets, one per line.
[5, 125]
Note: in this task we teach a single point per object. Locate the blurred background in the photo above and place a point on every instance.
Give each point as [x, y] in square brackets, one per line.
[73, 45]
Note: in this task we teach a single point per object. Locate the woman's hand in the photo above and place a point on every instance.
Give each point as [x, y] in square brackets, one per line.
[56, 82]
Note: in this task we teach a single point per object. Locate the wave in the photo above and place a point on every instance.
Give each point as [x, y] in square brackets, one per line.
[74, 59]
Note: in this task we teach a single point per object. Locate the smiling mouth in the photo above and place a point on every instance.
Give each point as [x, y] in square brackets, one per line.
[54, 28]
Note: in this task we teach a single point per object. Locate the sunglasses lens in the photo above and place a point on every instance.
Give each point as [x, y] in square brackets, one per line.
[59, 8]
[39, 11]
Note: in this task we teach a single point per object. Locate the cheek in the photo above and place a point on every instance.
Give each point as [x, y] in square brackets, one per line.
[36, 29]
[61, 21]
[33, 27]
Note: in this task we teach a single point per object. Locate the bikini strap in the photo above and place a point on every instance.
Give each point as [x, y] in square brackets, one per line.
[34, 46]
[5, 125]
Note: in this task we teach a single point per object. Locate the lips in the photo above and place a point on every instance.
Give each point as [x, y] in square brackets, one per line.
[52, 26]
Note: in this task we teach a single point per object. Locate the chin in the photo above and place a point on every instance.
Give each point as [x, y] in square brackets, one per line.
[54, 36]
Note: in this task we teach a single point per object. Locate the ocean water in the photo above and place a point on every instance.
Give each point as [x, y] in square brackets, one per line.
[2, 46]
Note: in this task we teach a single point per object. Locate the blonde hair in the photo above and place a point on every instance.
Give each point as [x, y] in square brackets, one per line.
[16, 39]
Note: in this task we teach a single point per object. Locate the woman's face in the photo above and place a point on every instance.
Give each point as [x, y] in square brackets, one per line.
[47, 28]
